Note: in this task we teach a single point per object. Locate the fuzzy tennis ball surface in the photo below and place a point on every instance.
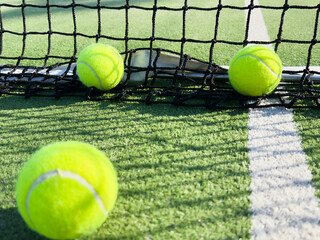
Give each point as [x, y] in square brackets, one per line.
[66, 190]
[255, 71]
[100, 66]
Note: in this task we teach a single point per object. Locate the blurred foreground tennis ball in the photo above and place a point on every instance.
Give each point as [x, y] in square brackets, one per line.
[255, 71]
[100, 66]
[66, 190]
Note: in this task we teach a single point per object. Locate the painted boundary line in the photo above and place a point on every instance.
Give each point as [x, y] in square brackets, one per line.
[283, 201]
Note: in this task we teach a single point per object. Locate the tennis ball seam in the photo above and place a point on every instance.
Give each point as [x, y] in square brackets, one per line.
[94, 72]
[63, 174]
[235, 85]
[261, 61]
[117, 53]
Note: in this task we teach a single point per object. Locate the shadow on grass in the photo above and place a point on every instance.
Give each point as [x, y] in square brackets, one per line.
[20, 102]
[179, 170]
[165, 109]
[12, 226]
[308, 124]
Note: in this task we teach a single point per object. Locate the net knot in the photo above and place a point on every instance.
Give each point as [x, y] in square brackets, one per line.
[286, 7]
[183, 40]
[214, 41]
[314, 41]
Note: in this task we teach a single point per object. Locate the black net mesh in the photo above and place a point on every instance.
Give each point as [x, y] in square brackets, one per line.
[48, 72]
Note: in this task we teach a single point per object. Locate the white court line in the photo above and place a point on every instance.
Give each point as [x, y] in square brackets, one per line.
[283, 201]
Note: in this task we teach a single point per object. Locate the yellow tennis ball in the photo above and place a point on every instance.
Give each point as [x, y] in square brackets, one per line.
[66, 190]
[100, 66]
[255, 71]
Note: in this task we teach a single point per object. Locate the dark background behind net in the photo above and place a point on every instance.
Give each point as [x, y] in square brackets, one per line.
[208, 91]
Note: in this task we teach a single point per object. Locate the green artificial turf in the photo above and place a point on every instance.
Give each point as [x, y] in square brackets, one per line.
[169, 24]
[183, 172]
[308, 123]
[299, 25]
[200, 25]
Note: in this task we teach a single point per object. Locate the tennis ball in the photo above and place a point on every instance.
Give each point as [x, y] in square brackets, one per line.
[66, 190]
[100, 66]
[255, 71]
